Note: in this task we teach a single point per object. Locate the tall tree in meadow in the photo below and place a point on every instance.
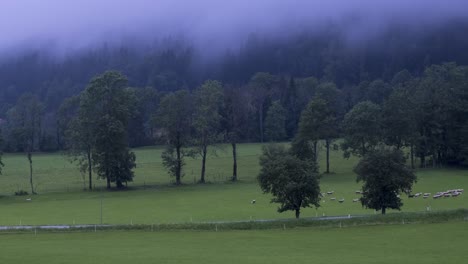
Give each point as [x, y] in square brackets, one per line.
[318, 122]
[310, 123]
[67, 110]
[106, 106]
[235, 120]
[291, 102]
[261, 85]
[362, 129]
[398, 121]
[24, 122]
[208, 104]
[332, 113]
[174, 117]
[77, 124]
[275, 122]
[140, 127]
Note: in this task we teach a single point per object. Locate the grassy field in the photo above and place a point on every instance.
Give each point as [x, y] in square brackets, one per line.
[424, 243]
[152, 199]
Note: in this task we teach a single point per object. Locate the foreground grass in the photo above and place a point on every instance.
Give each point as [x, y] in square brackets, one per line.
[423, 243]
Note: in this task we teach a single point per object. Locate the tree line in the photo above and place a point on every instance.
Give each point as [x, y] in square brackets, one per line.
[425, 115]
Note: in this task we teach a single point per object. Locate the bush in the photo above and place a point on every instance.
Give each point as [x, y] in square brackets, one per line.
[21, 193]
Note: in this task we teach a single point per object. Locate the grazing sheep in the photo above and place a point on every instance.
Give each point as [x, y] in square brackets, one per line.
[455, 194]
[358, 192]
[341, 200]
[333, 198]
[253, 201]
[356, 200]
[330, 192]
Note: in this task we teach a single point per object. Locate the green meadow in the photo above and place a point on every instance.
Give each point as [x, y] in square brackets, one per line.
[423, 243]
[151, 198]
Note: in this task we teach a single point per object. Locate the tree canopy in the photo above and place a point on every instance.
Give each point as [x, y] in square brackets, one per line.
[105, 110]
[362, 129]
[293, 182]
[174, 117]
[275, 122]
[384, 175]
[208, 102]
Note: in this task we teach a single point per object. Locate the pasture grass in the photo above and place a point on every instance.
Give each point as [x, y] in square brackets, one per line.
[152, 199]
[422, 243]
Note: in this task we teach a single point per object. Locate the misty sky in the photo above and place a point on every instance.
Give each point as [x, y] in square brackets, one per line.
[80, 23]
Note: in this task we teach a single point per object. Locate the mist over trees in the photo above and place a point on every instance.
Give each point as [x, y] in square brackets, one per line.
[326, 54]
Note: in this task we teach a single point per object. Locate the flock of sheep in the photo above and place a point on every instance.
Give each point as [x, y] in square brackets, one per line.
[449, 193]
[342, 199]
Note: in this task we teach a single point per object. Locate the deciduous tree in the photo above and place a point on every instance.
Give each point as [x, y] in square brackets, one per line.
[362, 129]
[275, 122]
[76, 130]
[208, 104]
[261, 85]
[293, 182]
[105, 110]
[318, 121]
[24, 122]
[174, 117]
[235, 120]
[384, 176]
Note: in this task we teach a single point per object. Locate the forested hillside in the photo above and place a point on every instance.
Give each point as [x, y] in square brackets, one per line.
[398, 78]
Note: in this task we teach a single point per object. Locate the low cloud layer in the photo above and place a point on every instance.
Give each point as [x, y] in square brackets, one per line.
[69, 25]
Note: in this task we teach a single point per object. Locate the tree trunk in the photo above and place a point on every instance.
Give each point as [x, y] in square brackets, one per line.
[298, 212]
[179, 165]
[422, 160]
[384, 210]
[412, 155]
[327, 143]
[90, 171]
[234, 165]
[119, 184]
[315, 151]
[59, 141]
[31, 172]
[108, 182]
[203, 169]
[260, 113]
